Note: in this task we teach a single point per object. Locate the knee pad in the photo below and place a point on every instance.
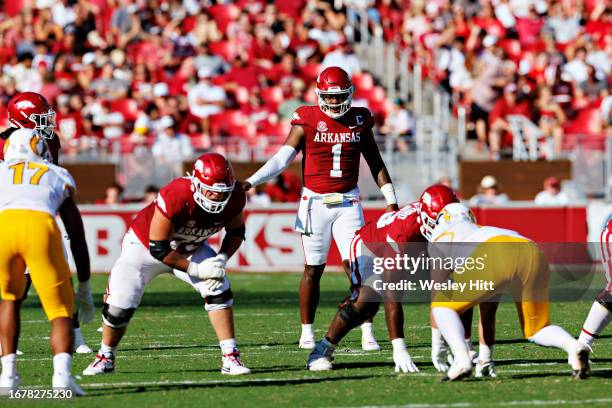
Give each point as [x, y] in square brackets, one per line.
[116, 317]
[221, 301]
[605, 299]
[353, 317]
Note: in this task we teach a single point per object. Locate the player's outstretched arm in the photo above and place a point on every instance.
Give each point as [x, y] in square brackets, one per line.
[71, 217]
[379, 170]
[160, 234]
[83, 300]
[279, 162]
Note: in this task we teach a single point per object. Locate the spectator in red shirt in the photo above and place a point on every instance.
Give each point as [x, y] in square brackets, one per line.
[508, 105]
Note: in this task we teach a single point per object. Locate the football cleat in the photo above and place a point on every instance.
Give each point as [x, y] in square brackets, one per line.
[8, 384]
[485, 369]
[369, 344]
[232, 365]
[307, 341]
[101, 365]
[79, 344]
[66, 382]
[458, 371]
[320, 358]
[579, 360]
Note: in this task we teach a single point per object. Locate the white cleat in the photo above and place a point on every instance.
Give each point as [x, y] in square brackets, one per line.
[8, 384]
[579, 360]
[458, 371]
[369, 344]
[232, 365]
[320, 358]
[307, 342]
[101, 365]
[485, 369]
[100, 329]
[66, 382]
[83, 349]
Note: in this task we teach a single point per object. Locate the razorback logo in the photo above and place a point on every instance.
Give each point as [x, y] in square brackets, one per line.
[25, 104]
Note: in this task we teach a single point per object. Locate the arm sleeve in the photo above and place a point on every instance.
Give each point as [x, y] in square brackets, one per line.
[274, 166]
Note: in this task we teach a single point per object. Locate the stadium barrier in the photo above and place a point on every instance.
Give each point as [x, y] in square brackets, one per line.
[272, 245]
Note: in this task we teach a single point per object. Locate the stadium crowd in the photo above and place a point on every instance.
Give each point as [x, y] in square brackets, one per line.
[183, 75]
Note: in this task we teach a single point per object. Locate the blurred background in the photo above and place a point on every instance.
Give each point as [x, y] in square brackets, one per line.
[507, 101]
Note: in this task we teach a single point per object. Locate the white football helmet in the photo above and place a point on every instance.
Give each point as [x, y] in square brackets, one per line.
[26, 144]
[455, 212]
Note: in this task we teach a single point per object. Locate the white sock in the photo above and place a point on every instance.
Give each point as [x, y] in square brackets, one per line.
[107, 350]
[485, 352]
[9, 365]
[367, 330]
[450, 326]
[227, 346]
[595, 323]
[554, 336]
[436, 337]
[62, 364]
[398, 344]
[307, 330]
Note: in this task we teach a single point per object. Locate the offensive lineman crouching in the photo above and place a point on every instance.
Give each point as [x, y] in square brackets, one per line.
[169, 236]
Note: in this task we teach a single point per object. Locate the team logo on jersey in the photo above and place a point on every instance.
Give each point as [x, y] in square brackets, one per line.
[322, 126]
[296, 116]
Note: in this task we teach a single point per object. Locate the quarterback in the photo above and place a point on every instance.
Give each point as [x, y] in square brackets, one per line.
[381, 238]
[332, 137]
[32, 192]
[515, 265]
[31, 110]
[170, 236]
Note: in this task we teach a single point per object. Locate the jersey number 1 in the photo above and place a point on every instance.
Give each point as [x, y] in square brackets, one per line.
[18, 169]
[335, 171]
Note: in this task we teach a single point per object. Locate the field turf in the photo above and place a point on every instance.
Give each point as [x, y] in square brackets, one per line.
[170, 356]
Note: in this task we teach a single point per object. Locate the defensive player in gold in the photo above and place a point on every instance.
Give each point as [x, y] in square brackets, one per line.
[502, 261]
[32, 192]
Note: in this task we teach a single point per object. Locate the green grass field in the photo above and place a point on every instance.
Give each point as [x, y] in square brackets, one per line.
[170, 356]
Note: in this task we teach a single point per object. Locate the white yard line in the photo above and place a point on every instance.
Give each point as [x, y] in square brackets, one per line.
[498, 403]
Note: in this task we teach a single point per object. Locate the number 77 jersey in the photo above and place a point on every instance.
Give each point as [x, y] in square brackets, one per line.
[332, 147]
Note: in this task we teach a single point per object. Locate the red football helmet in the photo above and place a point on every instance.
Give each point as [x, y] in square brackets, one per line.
[334, 82]
[432, 202]
[212, 172]
[31, 110]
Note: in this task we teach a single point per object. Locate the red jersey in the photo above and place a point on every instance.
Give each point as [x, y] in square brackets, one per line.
[332, 147]
[396, 228]
[192, 226]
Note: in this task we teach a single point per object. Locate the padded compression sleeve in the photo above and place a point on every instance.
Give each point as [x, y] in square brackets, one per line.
[274, 166]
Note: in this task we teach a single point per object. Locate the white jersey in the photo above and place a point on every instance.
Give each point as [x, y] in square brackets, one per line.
[34, 185]
[468, 234]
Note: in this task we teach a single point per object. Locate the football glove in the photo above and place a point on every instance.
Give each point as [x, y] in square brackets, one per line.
[403, 362]
[83, 302]
[210, 268]
[212, 285]
[440, 355]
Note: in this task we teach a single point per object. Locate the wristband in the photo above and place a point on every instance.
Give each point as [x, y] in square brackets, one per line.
[389, 192]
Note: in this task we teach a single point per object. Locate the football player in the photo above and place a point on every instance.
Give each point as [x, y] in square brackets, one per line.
[32, 192]
[601, 312]
[513, 264]
[169, 236]
[381, 238]
[332, 137]
[30, 110]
